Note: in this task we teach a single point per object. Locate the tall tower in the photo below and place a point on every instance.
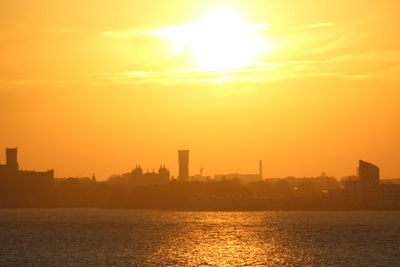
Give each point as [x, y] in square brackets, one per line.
[183, 158]
[369, 178]
[11, 158]
[261, 169]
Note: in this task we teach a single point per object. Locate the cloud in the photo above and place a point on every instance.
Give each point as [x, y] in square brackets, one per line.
[297, 54]
[319, 25]
[126, 35]
[383, 65]
[122, 35]
[329, 46]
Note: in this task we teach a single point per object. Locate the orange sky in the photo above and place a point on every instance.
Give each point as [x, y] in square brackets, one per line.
[89, 86]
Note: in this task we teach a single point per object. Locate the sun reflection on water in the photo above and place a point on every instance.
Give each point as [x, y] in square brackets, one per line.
[226, 239]
[95, 237]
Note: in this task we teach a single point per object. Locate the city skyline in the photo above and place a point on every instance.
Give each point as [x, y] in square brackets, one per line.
[87, 86]
[138, 189]
[183, 166]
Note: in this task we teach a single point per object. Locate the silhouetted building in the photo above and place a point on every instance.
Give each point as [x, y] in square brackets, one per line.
[364, 188]
[10, 171]
[369, 177]
[11, 159]
[199, 177]
[183, 158]
[21, 187]
[245, 178]
[139, 178]
[390, 195]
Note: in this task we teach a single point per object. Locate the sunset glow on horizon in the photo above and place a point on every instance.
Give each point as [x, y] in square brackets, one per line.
[98, 87]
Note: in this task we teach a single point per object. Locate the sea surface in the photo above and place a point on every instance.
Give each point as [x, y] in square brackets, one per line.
[100, 237]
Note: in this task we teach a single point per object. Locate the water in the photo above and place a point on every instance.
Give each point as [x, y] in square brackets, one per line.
[96, 237]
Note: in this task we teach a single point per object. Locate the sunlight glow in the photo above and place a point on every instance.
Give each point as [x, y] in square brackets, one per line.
[222, 40]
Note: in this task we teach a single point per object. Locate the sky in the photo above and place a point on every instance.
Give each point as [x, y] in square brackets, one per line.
[100, 86]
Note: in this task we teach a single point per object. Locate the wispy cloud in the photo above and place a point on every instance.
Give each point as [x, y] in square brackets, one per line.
[384, 65]
[301, 53]
[319, 25]
[329, 46]
[126, 34]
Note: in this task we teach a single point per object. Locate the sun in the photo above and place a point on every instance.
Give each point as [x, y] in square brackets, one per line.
[221, 40]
